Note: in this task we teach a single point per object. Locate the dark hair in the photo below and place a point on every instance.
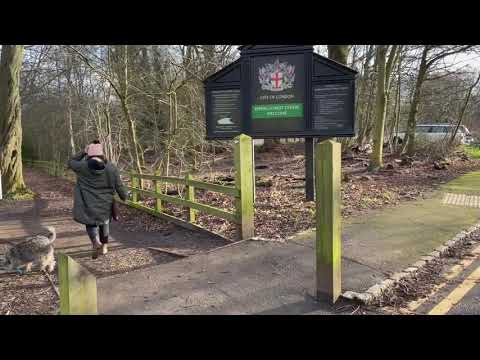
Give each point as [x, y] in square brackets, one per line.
[95, 142]
[101, 157]
[95, 165]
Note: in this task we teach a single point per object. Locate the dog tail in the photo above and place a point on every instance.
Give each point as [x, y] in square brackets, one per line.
[52, 234]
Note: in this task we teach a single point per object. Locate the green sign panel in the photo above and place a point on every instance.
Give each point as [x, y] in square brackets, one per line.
[278, 96]
[277, 111]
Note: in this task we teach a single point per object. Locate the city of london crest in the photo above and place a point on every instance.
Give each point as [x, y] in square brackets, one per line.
[277, 76]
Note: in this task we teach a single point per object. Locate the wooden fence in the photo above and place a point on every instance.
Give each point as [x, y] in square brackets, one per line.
[242, 192]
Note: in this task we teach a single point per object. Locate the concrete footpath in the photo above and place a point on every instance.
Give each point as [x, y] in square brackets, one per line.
[256, 277]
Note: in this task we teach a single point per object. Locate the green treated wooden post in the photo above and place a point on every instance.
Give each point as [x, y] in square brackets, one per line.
[78, 288]
[328, 218]
[244, 182]
[158, 190]
[134, 182]
[190, 196]
[253, 175]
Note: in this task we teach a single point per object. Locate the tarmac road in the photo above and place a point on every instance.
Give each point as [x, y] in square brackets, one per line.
[459, 294]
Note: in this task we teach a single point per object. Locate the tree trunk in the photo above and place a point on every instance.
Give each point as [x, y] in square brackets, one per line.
[133, 137]
[363, 102]
[10, 119]
[412, 115]
[462, 111]
[68, 64]
[339, 53]
[364, 135]
[120, 67]
[376, 160]
[69, 119]
[384, 71]
[396, 113]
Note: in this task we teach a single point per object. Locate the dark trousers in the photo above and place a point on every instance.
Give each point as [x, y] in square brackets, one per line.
[100, 232]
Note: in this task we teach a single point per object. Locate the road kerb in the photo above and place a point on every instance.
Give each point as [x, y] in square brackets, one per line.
[376, 291]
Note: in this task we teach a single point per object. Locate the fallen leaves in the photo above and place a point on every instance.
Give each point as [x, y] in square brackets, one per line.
[281, 209]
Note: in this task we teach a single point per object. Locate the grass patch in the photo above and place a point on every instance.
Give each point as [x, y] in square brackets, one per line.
[467, 184]
[22, 194]
[473, 151]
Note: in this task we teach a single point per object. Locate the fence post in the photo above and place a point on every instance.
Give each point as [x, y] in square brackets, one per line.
[134, 182]
[328, 246]
[59, 169]
[244, 182]
[158, 190]
[190, 196]
[78, 288]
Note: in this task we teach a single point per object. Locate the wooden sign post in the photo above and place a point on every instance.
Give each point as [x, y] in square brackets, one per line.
[328, 218]
[282, 91]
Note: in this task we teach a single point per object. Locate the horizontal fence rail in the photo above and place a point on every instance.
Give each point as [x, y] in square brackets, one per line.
[188, 203]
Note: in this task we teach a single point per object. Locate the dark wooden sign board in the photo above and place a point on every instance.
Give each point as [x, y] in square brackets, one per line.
[281, 91]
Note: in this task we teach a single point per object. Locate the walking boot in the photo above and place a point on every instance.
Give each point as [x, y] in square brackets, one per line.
[97, 248]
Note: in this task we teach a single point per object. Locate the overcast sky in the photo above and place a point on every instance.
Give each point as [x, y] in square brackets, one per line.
[472, 60]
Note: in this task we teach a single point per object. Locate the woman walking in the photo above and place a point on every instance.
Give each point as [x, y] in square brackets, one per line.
[97, 182]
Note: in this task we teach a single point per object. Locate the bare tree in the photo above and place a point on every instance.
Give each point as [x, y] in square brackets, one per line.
[431, 54]
[464, 107]
[384, 71]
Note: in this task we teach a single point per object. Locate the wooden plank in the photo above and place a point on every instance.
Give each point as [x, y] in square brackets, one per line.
[328, 220]
[158, 190]
[165, 179]
[215, 212]
[182, 202]
[227, 190]
[190, 196]
[169, 251]
[7, 272]
[171, 180]
[78, 288]
[39, 162]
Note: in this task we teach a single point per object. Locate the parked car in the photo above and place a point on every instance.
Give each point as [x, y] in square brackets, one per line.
[437, 132]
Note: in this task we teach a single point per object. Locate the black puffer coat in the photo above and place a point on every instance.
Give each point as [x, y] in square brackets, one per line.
[95, 206]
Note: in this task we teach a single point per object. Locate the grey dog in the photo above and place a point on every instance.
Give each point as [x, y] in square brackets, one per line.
[38, 250]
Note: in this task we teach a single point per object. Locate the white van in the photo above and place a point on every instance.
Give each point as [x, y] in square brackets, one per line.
[437, 132]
